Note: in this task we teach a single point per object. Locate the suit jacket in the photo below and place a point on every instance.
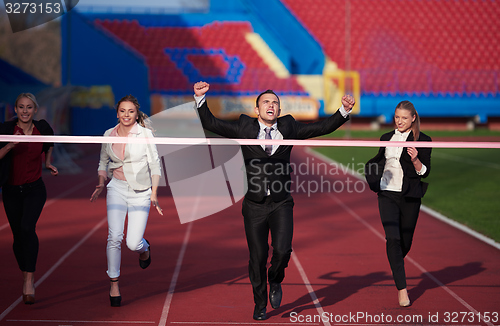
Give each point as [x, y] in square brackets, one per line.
[265, 171]
[413, 186]
[7, 128]
[139, 162]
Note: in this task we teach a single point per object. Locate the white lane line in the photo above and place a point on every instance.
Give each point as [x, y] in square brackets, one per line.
[459, 226]
[173, 282]
[57, 264]
[82, 321]
[64, 194]
[6, 225]
[424, 208]
[423, 270]
[447, 289]
[308, 285]
[70, 191]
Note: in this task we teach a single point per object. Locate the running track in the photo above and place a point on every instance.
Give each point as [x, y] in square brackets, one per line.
[198, 274]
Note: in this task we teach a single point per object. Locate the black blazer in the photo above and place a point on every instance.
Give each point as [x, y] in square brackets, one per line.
[265, 171]
[7, 128]
[412, 184]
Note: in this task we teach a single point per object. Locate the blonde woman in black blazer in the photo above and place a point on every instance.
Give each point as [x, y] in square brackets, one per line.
[395, 174]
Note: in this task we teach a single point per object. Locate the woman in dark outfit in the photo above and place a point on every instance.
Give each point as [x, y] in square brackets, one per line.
[23, 191]
[395, 174]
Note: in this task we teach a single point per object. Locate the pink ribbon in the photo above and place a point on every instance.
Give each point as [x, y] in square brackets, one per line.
[226, 141]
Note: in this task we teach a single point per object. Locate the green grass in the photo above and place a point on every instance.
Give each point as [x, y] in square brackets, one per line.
[464, 184]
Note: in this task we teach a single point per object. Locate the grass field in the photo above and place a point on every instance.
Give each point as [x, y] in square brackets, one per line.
[464, 184]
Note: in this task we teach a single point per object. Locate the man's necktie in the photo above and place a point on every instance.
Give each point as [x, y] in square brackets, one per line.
[269, 148]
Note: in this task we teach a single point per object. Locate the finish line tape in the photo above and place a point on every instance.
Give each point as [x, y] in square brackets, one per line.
[226, 141]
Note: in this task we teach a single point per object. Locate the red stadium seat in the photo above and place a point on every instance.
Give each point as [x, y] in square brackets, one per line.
[452, 36]
[153, 43]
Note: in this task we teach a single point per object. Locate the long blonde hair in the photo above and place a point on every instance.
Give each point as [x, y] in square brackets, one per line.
[415, 125]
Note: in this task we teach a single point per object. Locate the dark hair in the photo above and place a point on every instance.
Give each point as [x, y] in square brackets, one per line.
[269, 91]
[415, 125]
[141, 116]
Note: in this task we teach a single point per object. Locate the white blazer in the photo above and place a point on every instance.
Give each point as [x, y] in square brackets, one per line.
[140, 161]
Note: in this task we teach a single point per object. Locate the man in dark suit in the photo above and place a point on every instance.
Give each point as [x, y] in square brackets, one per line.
[268, 205]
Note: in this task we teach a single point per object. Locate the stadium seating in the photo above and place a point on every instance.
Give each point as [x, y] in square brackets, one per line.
[410, 46]
[218, 53]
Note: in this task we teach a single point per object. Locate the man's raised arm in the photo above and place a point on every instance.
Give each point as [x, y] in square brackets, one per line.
[223, 128]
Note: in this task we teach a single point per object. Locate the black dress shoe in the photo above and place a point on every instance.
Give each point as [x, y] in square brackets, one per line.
[275, 295]
[259, 314]
[115, 301]
[145, 263]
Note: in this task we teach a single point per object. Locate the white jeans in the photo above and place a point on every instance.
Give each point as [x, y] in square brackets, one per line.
[120, 200]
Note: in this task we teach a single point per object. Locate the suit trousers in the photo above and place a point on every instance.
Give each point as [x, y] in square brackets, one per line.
[399, 216]
[120, 200]
[259, 219]
[23, 206]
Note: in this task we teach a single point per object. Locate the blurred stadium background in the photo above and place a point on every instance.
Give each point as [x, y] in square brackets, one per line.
[443, 55]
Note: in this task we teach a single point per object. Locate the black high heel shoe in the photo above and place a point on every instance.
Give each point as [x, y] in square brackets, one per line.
[145, 263]
[115, 301]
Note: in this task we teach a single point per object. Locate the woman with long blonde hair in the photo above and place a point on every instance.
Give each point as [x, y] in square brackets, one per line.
[23, 190]
[395, 174]
[134, 170]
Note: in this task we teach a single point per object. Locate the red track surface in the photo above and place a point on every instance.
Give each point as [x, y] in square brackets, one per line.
[198, 274]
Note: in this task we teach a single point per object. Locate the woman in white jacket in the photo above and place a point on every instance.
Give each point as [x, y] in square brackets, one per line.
[134, 169]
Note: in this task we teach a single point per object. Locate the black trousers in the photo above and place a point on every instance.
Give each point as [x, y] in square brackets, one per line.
[259, 219]
[399, 216]
[23, 206]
